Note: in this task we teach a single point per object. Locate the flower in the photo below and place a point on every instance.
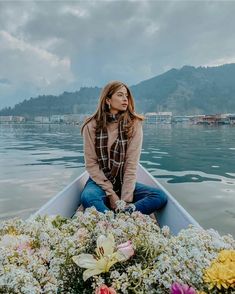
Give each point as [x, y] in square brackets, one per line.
[126, 249]
[226, 255]
[103, 289]
[105, 256]
[24, 246]
[177, 288]
[36, 255]
[221, 273]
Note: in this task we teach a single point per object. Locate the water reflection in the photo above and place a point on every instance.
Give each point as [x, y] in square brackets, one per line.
[196, 164]
[191, 148]
[48, 139]
[187, 178]
[198, 148]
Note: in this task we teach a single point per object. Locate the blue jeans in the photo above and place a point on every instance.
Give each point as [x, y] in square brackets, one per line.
[146, 199]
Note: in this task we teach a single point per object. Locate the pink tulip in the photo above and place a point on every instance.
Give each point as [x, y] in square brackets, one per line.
[103, 289]
[177, 288]
[126, 249]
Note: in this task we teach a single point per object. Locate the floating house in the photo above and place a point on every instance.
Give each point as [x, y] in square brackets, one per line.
[11, 119]
[158, 117]
[42, 119]
[182, 118]
[231, 118]
[214, 119]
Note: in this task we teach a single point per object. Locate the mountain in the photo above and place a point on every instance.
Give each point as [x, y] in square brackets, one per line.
[81, 101]
[189, 90]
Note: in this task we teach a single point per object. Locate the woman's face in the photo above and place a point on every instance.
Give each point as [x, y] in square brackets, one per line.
[118, 101]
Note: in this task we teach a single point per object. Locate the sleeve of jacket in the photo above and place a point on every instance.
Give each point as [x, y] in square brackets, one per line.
[132, 158]
[91, 160]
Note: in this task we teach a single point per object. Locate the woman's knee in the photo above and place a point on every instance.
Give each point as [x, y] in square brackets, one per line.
[160, 196]
[90, 196]
[164, 198]
[85, 195]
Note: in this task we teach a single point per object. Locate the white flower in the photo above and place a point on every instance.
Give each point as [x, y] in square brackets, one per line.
[105, 258]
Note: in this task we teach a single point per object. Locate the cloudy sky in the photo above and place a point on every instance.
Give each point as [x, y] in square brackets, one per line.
[48, 47]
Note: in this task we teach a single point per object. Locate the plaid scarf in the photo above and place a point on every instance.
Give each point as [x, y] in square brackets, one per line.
[117, 153]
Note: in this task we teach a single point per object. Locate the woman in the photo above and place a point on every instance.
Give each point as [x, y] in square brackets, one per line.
[112, 145]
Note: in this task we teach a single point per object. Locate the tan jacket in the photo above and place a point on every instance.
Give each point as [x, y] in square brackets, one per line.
[131, 162]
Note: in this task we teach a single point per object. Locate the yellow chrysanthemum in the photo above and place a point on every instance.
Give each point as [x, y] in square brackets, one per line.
[226, 255]
[221, 273]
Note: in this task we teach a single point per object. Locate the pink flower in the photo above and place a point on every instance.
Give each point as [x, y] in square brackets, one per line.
[24, 246]
[103, 289]
[126, 249]
[177, 288]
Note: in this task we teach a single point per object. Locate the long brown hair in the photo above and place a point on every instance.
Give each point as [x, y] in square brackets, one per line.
[128, 116]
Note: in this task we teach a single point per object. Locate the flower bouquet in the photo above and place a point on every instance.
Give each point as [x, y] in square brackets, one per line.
[112, 253]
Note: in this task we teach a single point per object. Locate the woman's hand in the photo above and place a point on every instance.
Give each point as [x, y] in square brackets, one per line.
[112, 200]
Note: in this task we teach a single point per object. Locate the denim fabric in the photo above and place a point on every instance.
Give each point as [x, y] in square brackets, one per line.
[146, 199]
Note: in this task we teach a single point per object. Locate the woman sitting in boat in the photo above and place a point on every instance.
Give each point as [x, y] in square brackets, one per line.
[112, 145]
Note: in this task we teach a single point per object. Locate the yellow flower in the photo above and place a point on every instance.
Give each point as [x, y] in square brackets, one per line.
[226, 255]
[221, 273]
[12, 231]
[105, 256]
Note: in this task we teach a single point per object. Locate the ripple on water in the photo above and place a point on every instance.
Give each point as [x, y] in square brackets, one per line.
[150, 162]
[17, 213]
[159, 152]
[231, 174]
[41, 153]
[231, 213]
[228, 182]
[187, 178]
[228, 190]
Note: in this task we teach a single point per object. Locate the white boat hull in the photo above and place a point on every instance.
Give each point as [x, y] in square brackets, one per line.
[66, 202]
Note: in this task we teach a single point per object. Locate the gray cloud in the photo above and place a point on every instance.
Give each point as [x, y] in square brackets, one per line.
[53, 46]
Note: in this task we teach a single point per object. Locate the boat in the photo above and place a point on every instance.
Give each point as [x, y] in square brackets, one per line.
[66, 202]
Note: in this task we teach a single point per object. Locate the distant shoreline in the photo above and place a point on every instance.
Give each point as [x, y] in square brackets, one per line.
[185, 123]
[38, 123]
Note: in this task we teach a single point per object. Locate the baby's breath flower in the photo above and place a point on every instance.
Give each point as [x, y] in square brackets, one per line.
[121, 205]
[36, 254]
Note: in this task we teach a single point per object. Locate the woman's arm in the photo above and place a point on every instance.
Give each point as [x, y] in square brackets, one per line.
[131, 162]
[91, 161]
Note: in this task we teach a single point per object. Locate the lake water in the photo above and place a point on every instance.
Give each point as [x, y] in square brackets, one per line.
[194, 163]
